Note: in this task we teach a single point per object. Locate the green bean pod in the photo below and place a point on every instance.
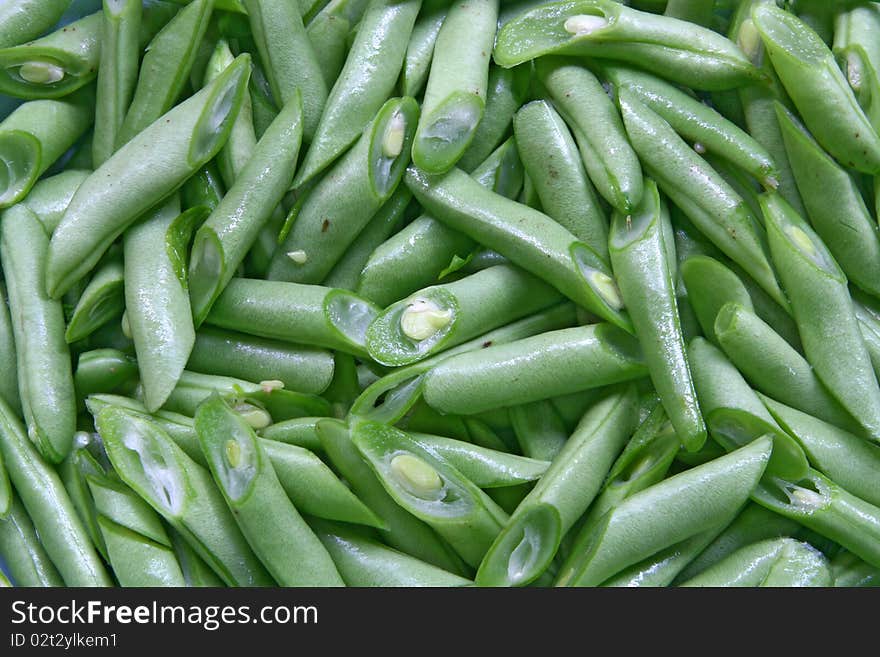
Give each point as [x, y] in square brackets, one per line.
[188, 136]
[547, 365]
[850, 571]
[487, 468]
[539, 429]
[734, 413]
[773, 367]
[25, 21]
[835, 207]
[526, 237]
[138, 547]
[404, 531]
[268, 396]
[753, 524]
[54, 65]
[49, 198]
[836, 453]
[530, 539]
[696, 122]
[858, 56]
[45, 381]
[22, 551]
[818, 88]
[8, 358]
[60, 531]
[551, 159]
[692, 11]
[772, 563]
[105, 371]
[418, 254]
[266, 516]
[455, 95]
[181, 491]
[507, 90]
[710, 285]
[606, 153]
[362, 561]
[221, 243]
[823, 308]
[366, 81]
[293, 312]
[117, 73]
[195, 571]
[431, 489]
[420, 49]
[204, 188]
[289, 60]
[35, 135]
[823, 506]
[704, 196]
[442, 316]
[226, 353]
[299, 431]
[102, 300]
[349, 194]
[669, 512]
[393, 395]
[640, 261]
[329, 33]
[682, 52]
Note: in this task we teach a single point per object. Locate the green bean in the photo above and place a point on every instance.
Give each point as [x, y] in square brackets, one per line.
[539, 367]
[700, 192]
[138, 547]
[73, 470]
[393, 395]
[105, 371]
[824, 507]
[539, 429]
[35, 135]
[226, 353]
[850, 571]
[549, 155]
[190, 135]
[609, 159]
[181, 491]
[455, 95]
[204, 188]
[165, 68]
[192, 389]
[506, 91]
[328, 33]
[753, 524]
[836, 209]
[696, 122]
[642, 268]
[289, 60]
[102, 301]
[300, 431]
[363, 561]
[823, 308]
[420, 49]
[442, 316]
[349, 194]
[710, 285]
[526, 237]
[25, 21]
[222, 242]
[347, 272]
[366, 81]
[45, 381]
[818, 88]
[195, 571]
[49, 198]
[735, 414]
[60, 531]
[858, 56]
[667, 513]
[8, 358]
[430, 489]
[293, 312]
[682, 52]
[771, 563]
[22, 551]
[694, 11]
[417, 255]
[530, 539]
[405, 532]
[117, 73]
[836, 453]
[267, 518]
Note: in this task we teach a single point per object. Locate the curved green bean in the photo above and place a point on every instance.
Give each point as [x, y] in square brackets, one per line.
[22, 551]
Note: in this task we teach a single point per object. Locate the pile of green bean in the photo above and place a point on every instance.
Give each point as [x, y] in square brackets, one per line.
[432, 293]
